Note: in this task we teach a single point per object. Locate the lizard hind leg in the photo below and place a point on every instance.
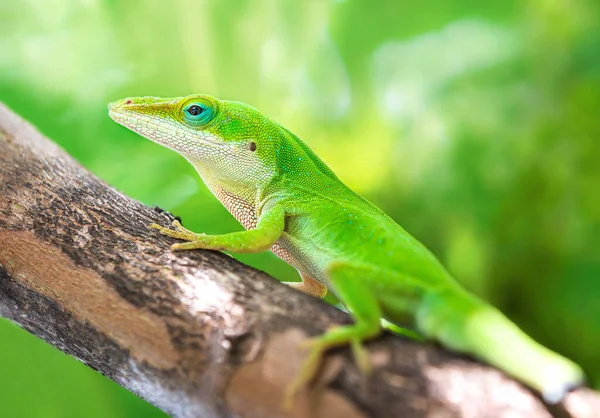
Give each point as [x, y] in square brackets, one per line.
[353, 290]
[310, 286]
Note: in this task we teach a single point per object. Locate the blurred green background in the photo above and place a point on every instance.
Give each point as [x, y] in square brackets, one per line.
[474, 124]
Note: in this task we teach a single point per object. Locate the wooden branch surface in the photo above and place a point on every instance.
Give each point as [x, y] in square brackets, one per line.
[199, 334]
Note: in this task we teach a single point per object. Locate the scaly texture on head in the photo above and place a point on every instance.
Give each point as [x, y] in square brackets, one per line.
[227, 142]
[217, 138]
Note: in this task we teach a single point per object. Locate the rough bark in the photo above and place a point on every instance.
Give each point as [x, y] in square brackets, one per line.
[198, 334]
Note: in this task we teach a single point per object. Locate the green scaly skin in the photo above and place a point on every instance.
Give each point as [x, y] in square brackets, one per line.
[290, 202]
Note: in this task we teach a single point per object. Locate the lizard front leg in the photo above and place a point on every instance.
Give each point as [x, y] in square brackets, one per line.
[268, 230]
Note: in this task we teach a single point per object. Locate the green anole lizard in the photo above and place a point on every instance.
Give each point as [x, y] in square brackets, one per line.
[291, 203]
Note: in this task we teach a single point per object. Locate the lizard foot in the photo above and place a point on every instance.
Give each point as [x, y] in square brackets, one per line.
[179, 232]
[307, 372]
[334, 337]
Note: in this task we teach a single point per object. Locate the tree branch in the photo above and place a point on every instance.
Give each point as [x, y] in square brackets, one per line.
[198, 333]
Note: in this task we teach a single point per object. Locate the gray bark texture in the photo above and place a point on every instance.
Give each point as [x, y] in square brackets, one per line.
[197, 333]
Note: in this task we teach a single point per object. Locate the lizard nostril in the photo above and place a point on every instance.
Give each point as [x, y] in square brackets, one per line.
[128, 101]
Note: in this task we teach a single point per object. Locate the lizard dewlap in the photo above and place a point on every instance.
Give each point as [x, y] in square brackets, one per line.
[291, 203]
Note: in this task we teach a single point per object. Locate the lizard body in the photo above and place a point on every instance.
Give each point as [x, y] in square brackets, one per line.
[290, 202]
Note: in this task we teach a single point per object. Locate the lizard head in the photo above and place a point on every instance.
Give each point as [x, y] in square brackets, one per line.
[227, 141]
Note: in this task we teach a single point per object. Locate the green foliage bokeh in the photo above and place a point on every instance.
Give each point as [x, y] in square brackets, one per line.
[474, 124]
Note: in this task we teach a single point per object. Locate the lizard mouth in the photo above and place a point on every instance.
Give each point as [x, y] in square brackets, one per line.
[157, 130]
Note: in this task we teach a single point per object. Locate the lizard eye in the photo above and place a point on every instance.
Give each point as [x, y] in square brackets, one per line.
[198, 114]
[194, 110]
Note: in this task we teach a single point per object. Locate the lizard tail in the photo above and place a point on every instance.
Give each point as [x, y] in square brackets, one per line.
[465, 323]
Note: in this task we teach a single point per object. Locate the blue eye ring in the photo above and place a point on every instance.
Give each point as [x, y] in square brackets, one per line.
[198, 114]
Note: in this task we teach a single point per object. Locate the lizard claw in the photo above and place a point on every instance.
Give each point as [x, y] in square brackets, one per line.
[179, 233]
[361, 356]
[178, 225]
[307, 373]
[177, 247]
